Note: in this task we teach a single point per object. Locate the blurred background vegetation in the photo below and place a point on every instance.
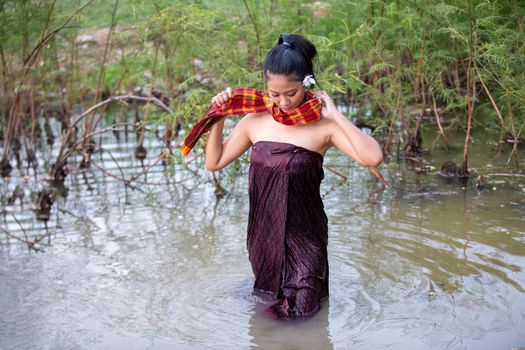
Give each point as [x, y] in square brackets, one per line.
[393, 64]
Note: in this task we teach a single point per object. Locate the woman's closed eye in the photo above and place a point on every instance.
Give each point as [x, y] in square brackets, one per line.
[289, 94]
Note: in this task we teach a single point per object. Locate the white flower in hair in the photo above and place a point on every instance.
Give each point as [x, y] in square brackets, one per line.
[309, 81]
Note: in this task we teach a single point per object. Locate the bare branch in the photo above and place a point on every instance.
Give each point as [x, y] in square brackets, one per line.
[121, 99]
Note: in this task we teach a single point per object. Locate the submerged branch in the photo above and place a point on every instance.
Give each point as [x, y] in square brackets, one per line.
[63, 154]
[134, 178]
[505, 174]
[375, 172]
[30, 244]
[345, 178]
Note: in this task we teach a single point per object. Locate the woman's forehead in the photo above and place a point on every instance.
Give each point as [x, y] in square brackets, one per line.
[282, 83]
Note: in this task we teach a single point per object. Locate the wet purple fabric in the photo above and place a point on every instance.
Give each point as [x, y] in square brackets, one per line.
[287, 227]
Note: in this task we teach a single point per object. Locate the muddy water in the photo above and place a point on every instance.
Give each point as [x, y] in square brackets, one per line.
[426, 264]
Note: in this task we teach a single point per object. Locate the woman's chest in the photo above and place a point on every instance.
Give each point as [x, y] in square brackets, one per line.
[314, 136]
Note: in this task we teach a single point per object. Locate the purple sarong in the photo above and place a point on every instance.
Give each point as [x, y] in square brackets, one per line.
[287, 227]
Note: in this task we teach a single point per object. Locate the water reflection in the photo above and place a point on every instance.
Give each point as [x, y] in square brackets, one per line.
[312, 333]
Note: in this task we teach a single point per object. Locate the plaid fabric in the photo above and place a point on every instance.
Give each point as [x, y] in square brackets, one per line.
[248, 100]
[308, 112]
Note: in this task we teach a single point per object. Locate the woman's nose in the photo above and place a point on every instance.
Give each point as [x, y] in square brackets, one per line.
[283, 101]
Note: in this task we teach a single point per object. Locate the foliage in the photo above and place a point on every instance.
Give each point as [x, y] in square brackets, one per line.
[393, 57]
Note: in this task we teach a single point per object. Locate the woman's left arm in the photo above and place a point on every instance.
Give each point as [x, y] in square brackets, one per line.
[349, 138]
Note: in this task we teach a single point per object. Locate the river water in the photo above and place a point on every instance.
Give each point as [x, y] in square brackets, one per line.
[425, 264]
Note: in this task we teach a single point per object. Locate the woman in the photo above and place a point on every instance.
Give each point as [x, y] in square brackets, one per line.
[289, 133]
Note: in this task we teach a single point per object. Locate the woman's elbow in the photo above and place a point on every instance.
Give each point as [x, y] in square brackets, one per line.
[374, 161]
[212, 167]
[379, 159]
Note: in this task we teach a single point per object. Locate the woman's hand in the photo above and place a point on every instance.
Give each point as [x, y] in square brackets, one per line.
[222, 97]
[329, 109]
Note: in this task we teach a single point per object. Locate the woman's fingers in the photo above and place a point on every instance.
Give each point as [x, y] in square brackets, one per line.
[329, 104]
[323, 96]
[222, 97]
[219, 99]
[326, 98]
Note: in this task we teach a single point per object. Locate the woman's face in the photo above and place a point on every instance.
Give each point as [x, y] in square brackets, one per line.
[287, 94]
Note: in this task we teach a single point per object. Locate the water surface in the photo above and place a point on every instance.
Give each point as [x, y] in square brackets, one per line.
[426, 264]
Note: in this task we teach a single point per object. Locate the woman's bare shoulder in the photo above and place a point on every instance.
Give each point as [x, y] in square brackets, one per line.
[253, 123]
[256, 115]
[255, 118]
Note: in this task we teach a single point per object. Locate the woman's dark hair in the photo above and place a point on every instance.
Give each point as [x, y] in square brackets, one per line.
[292, 57]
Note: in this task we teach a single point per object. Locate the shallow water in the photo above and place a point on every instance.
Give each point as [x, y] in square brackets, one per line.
[426, 264]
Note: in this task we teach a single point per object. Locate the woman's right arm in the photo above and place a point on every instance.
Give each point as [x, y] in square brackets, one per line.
[219, 154]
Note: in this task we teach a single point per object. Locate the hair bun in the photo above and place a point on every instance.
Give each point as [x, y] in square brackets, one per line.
[298, 42]
[282, 39]
[292, 56]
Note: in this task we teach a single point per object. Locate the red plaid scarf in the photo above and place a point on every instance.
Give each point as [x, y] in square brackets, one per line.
[249, 100]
